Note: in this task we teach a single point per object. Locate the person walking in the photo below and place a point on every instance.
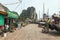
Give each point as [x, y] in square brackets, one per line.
[19, 25]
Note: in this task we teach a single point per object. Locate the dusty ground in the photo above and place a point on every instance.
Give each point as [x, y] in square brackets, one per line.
[31, 32]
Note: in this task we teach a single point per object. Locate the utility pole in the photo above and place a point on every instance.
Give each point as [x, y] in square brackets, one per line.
[59, 13]
[39, 14]
[43, 10]
[48, 12]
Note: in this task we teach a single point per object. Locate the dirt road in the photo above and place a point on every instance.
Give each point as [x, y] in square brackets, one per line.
[31, 32]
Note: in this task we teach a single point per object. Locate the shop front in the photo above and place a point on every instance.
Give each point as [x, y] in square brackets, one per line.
[2, 19]
[12, 17]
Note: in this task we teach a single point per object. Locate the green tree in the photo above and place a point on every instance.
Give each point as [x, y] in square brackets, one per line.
[24, 15]
[29, 13]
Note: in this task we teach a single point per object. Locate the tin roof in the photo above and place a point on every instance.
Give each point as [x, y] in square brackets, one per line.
[3, 9]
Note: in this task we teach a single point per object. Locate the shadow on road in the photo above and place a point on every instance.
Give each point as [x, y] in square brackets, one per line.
[54, 33]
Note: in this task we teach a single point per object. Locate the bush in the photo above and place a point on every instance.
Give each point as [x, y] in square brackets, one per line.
[4, 30]
[15, 25]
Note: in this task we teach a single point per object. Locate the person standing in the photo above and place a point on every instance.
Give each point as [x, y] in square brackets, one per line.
[7, 26]
[5, 30]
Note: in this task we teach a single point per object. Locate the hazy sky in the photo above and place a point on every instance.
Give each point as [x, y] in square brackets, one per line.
[52, 5]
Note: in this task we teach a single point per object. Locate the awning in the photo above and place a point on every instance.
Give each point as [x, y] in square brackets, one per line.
[4, 13]
[12, 15]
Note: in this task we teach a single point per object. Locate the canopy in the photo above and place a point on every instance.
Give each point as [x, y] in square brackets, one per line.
[12, 14]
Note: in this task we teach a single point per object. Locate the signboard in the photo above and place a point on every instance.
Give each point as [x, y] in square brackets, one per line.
[1, 20]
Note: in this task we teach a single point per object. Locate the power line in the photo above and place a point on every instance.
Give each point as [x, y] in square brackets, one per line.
[20, 1]
[12, 3]
[17, 6]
